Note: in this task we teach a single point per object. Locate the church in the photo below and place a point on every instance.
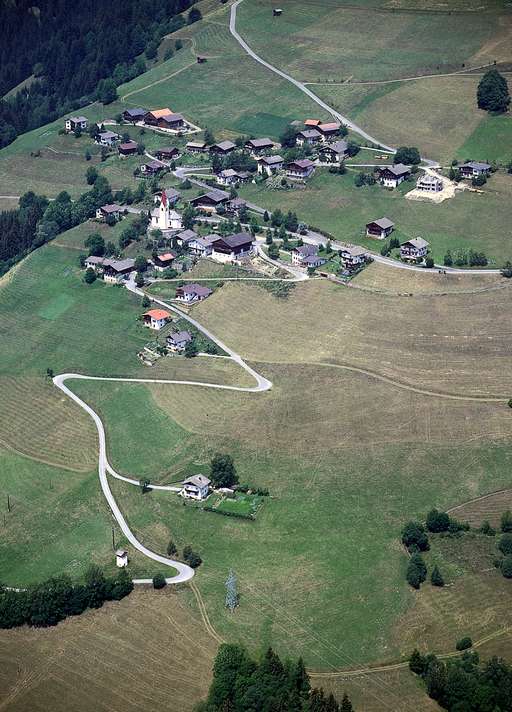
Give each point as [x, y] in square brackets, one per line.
[164, 217]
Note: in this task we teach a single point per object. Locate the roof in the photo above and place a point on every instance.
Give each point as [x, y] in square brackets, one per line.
[384, 223]
[167, 149]
[93, 259]
[136, 112]
[207, 240]
[166, 257]
[121, 552]
[172, 117]
[128, 145]
[338, 147]
[196, 144]
[120, 265]
[157, 314]
[240, 238]
[302, 163]
[224, 145]
[354, 250]
[312, 122]
[237, 203]
[417, 242]
[180, 336]
[78, 119]
[197, 480]
[155, 164]
[108, 134]
[158, 113]
[111, 208]
[215, 194]
[477, 165]
[398, 169]
[195, 289]
[313, 259]
[306, 250]
[333, 126]
[270, 160]
[428, 178]
[260, 142]
[310, 133]
[187, 235]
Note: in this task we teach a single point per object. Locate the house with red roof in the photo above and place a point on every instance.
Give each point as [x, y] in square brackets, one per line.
[156, 318]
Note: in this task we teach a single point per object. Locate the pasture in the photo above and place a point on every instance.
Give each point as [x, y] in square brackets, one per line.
[476, 221]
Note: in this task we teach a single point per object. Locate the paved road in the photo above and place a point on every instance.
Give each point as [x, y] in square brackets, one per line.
[185, 573]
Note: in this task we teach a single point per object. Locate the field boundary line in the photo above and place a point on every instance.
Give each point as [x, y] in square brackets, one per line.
[204, 613]
[68, 468]
[158, 81]
[478, 499]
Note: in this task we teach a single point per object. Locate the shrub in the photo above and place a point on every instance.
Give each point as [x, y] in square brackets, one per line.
[414, 537]
[506, 519]
[464, 643]
[159, 581]
[191, 557]
[89, 276]
[408, 155]
[486, 529]
[417, 662]
[416, 571]
[429, 262]
[506, 567]
[505, 544]
[436, 578]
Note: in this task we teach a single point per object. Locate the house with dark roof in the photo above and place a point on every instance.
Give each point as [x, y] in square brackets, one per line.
[231, 177]
[202, 246]
[113, 271]
[109, 211]
[306, 256]
[300, 169]
[196, 147]
[184, 238]
[223, 148]
[329, 130]
[308, 137]
[210, 201]
[233, 248]
[414, 250]
[167, 154]
[258, 145]
[333, 152]
[178, 341]
[380, 228]
[77, 122]
[392, 176]
[236, 205]
[152, 168]
[353, 256]
[472, 169]
[163, 262]
[107, 138]
[190, 293]
[270, 164]
[134, 115]
[196, 487]
[128, 148]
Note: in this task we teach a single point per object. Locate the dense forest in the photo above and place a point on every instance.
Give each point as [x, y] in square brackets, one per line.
[71, 49]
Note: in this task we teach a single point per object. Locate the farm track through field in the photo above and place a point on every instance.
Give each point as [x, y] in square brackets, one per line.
[68, 468]
[158, 81]
[204, 614]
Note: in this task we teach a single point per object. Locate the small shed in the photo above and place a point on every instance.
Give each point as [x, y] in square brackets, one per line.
[121, 558]
[277, 12]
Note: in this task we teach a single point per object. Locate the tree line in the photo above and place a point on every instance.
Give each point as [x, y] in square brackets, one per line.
[242, 684]
[48, 603]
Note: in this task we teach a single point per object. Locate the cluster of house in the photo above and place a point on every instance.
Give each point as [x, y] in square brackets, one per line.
[414, 250]
[157, 118]
[352, 257]
[113, 271]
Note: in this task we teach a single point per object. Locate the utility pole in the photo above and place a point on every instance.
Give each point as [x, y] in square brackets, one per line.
[113, 539]
[8, 503]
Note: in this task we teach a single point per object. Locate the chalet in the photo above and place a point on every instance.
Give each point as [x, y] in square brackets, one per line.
[472, 169]
[196, 487]
[151, 118]
[258, 145]
[380, 228]
[202, 246]
[236, 205]
[391, 176]
[414, 250]
[164, 217]
[312, 123]
[172, 196]
[270, 164]
[191, 293]
[107, 138]
[210, 201]
[177, 341]
[95, 263]
[121, 558]
[307, 256]
[163, 262]
[174, 122]
[196, 147]
[134, 115]
[308, 137]
[430, 183]
[224, 147]
[109, 211]
[77, 122]
[302, 168]
[156, 318]
[128, 149]
[329, 130]
[167, 154]
[232, 177]
[353, 256]
[334, 152]
[152, 168]
[233, 247]
[184, 238]
[116, 271]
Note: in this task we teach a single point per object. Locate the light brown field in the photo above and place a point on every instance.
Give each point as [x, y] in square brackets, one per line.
[488, 508]
[149, 651]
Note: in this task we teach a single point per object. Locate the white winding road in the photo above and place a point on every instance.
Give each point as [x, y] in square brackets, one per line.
[184, 572]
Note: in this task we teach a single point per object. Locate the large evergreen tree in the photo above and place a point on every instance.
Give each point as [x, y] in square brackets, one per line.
[492, 93]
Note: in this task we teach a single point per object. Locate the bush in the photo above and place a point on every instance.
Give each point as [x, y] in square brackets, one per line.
[89, 276]
[437, 521]
[429, 262]
[408, 155]
[417, 662]
[159, 581]
[237, 515]
[416, 571]
[464, 643]
[506, 567]
[436, 578]
[414, 537]
[191, 557]
[506, 520]
[486, 529]
[505, 544]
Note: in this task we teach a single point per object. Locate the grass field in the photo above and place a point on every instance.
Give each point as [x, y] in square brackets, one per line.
[333, 203]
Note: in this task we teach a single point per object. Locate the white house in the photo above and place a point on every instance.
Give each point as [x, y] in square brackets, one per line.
[233, 248]
[391, 176]
[472, 169]
[77, 122]
[177, 341]
[190, 293]
[121, 558]
[156, 318]
[232, 177]
[353, 256]
[270, 164]
[196, 487]
[106, 211]
[107, 138]
[430, 183]
[164, 217]
[414, 250]
[202, 246]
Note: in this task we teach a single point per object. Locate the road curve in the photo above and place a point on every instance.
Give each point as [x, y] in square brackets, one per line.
[185, 573]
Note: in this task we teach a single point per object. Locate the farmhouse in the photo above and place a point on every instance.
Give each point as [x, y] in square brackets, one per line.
[184, 238]
[152, 168]
[224, 147]
[196, 147]
[134, 115]
[77, 122]
[113, 271]
[202, 246]
[430, 183]
[391, 176]
[153, 117]
[156, 318]
[107, 138]
[328, 131]
[196, 487]
[270, 164]
[333, 152]
[191, 293]
[414, 250]
[177, 342]
[353, 256]
[232, 177]
[233, 247]
[174, 122]
[164, 217]
[128, 148]
[306, 256]
[210, 201]
[308, 137]
[163, 262]
[472, 169]
[302, 168]
[258, 145]
[380, 228]
[109, 211]
[167, 154]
